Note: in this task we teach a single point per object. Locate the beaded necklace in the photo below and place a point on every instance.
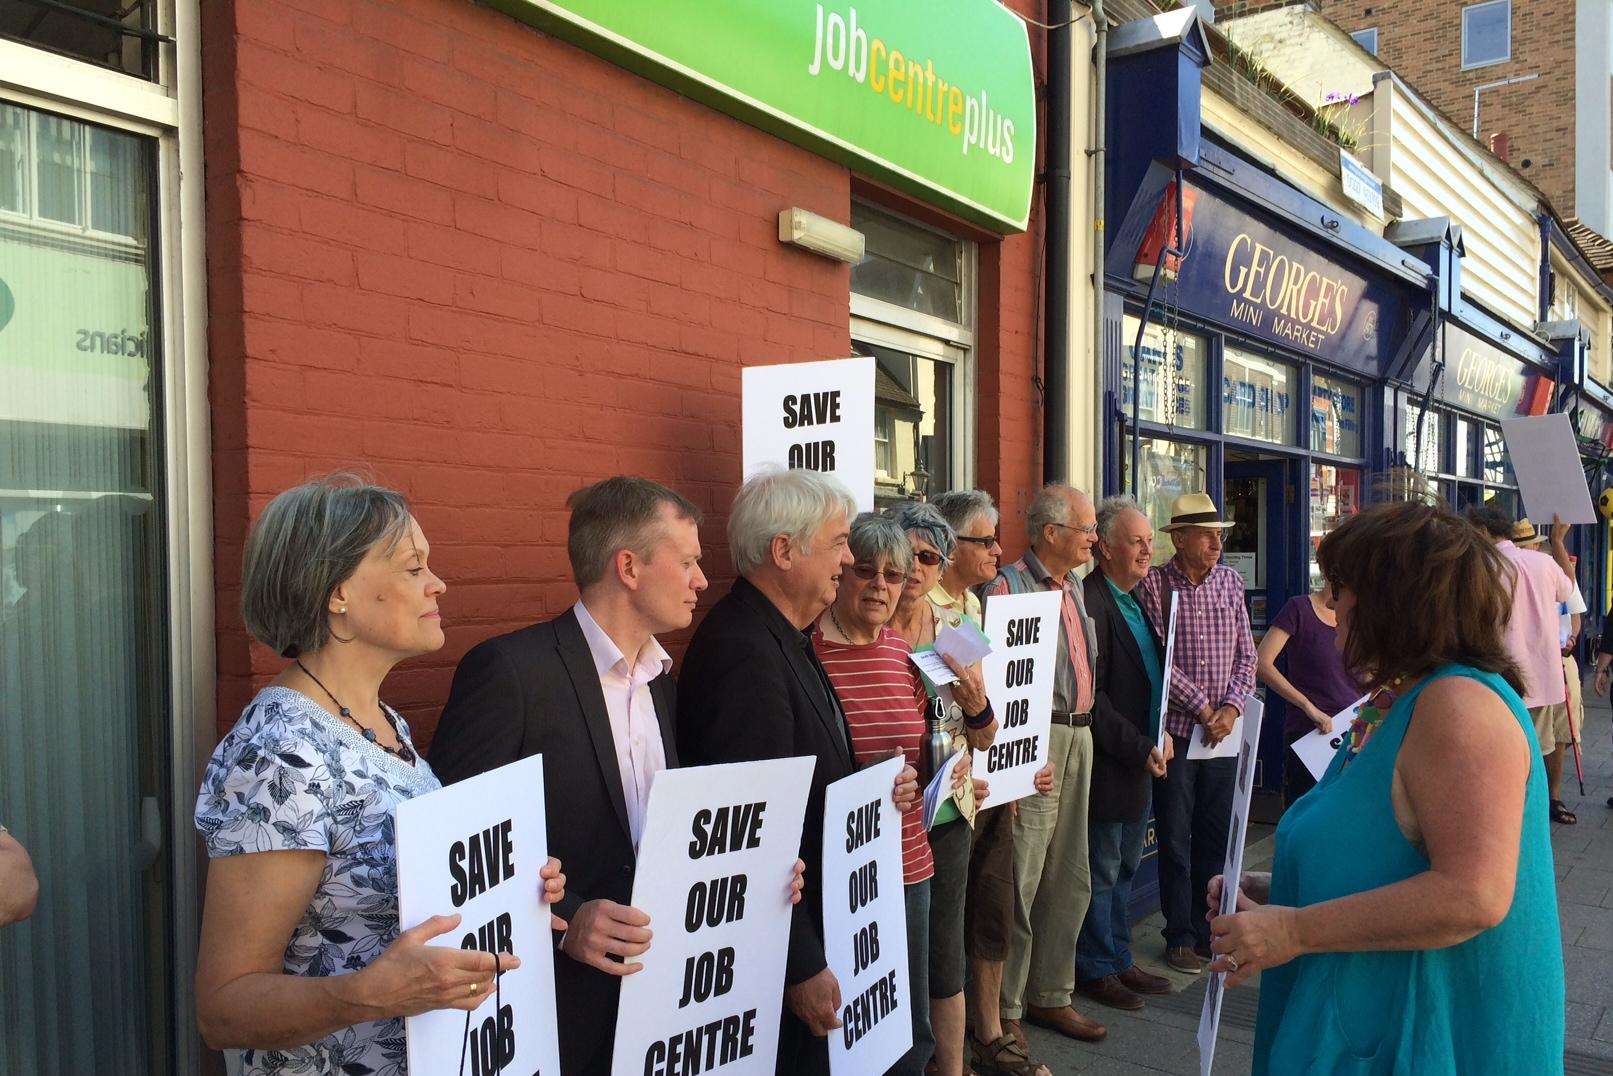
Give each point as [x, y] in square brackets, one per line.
[1370, 717]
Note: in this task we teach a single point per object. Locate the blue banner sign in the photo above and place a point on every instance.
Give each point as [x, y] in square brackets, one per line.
[1479, 376]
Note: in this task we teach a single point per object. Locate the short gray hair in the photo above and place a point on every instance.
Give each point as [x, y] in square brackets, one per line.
[875, 536]
[308, 541]
[917, 517]
[960, 507]
[774, 501]
[619, 513]
[1110, 509]
[1050, 505]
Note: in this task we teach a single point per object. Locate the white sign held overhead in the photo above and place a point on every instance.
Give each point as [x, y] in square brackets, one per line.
[1019, 671]
[818, 416]
[715, 865]
[1551, 478]
[865, 921]
[1232, 871]
[475, 848]
[1360, 185]
[1316, 749]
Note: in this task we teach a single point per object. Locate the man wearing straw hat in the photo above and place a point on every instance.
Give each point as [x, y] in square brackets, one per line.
[1212, 674]
[1561, 718]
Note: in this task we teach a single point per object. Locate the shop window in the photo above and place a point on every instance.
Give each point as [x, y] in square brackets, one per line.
[1335, 416]
[1335, 494]
[1172, 369]
[83, 666]
[912, 422]
[1465, 447]
[1427, 458]
[1486, 33]
[1257, 397]
[1169, 469]
[118, 34]
[908, 266]
[1497, 461]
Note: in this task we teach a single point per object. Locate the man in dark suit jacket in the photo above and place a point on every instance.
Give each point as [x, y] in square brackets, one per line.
[752, 688]
[591, 690]
[1130, 675]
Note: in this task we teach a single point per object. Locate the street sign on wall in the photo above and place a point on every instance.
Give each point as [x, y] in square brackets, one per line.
[937, 99]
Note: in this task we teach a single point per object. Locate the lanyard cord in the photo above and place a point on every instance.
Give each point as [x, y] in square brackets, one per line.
[498, 1008]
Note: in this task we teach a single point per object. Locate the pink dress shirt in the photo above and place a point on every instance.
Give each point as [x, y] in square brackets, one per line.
[640, 755]
[1531, 635]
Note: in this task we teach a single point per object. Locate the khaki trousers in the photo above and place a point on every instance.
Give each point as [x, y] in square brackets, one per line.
[1054, 880]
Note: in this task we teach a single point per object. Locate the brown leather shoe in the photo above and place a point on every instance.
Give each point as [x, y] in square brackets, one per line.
[1066, 1021]
[1142, 982]
[1110, 991]
[1017, 1030]
[1183, 959]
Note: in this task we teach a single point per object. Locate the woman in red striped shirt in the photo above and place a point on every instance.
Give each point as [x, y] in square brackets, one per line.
[884, 701]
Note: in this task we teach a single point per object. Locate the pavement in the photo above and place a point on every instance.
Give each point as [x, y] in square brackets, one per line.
[1162, 1037]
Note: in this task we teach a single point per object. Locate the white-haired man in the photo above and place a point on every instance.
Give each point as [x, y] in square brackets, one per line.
[752, 688]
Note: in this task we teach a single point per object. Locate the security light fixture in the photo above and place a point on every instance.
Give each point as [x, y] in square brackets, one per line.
[820, 235]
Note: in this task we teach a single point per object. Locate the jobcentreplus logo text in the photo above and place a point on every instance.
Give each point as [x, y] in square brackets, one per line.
[841, 45]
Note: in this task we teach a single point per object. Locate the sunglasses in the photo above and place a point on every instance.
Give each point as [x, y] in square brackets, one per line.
[985, 543]
[868, 573]
[928, 557]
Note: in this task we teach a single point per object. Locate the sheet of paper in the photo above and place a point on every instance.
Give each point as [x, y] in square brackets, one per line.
[1199, 747]
[865, 921]
[931, 665]
[1165, 687]
[1316, 749]
[963, 643]
[818, 416]
[1545, 457]
[714, 869]
[475, 848]
[939, 790]
[1019, 681]
[1232, 869]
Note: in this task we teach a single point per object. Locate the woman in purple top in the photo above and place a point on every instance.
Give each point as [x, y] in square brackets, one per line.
[1316, 684]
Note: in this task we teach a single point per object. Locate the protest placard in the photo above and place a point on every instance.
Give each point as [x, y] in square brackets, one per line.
[1545, 458]
[865, 921]
[1316, 749]
[1019, 671]
[475, 848]
[715, 862]
[1232, 870]
[814, 415]
[1165, 681]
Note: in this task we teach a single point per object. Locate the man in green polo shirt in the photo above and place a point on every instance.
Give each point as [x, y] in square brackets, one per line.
[1125, 729]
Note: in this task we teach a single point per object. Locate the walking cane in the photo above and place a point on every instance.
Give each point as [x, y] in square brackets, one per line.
[1573, 731]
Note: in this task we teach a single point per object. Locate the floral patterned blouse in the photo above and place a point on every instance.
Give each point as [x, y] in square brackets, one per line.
[290, 775]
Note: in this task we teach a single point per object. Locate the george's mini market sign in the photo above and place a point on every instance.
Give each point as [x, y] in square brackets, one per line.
[934, 98]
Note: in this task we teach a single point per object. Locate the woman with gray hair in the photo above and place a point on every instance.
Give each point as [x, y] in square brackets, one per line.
[301, 966]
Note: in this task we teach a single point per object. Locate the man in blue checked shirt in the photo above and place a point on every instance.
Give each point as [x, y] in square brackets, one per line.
[1212, 674]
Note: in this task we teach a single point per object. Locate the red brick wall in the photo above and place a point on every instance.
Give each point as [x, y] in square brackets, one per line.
[492, 268]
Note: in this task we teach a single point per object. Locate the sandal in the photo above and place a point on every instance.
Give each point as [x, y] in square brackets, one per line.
[1003, 1057]
[1561, 814]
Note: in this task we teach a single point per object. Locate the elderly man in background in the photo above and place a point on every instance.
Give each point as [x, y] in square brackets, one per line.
[1539, 586]
[1051, 869]
[1125, 724]
[1212, 675]
[752, 688]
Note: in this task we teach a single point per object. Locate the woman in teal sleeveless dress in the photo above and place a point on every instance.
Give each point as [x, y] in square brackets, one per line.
[1409, 924]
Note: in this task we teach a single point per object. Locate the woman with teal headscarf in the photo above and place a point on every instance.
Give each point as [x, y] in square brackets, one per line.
[1409, 924]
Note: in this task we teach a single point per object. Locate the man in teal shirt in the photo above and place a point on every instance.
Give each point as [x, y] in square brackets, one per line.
[1125, 728]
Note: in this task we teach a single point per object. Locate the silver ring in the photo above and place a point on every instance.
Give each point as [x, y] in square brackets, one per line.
[1232, 963]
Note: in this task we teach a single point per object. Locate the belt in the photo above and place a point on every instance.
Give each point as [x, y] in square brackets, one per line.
[1075, 721]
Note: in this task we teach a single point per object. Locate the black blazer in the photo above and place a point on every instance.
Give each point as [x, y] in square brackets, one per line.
[535, 691]
[1120, 717]
[752, 688]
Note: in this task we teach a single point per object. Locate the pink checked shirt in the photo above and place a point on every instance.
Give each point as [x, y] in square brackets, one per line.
[1532, 632]
[1214, 659]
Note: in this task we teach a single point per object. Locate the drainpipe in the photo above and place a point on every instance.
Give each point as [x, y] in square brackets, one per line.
[1056, 225]
[1100, 103]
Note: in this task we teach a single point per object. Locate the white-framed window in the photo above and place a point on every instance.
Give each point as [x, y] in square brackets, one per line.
[912, 307]
[1486, 33]
[1367, 39]
[120, 36]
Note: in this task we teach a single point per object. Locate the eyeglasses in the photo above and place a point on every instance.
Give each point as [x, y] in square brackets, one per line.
[868, 573]
[1090, 529]
[928, 557]
[987, 542]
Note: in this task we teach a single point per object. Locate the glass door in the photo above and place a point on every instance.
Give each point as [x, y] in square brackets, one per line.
[84, 746]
